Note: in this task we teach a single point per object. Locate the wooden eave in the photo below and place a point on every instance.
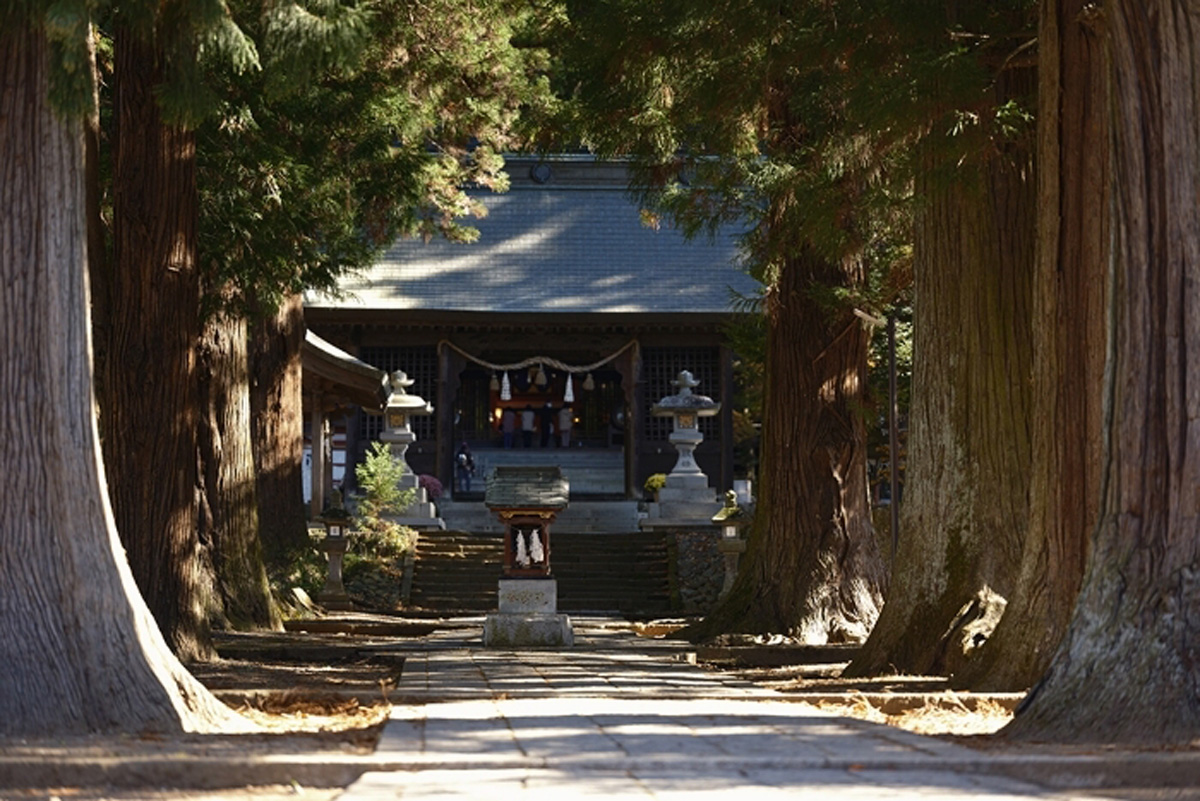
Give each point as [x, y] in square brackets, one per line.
[417, 319]
[340, 378]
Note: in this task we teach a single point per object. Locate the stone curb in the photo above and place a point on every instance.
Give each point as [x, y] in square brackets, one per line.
[182, 772]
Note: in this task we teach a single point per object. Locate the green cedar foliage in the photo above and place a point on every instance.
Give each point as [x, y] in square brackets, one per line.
[366, 123]
[807, 114]
[805, 122]
[327, 128]
[195, 35]
[379, 475]
[804, 111]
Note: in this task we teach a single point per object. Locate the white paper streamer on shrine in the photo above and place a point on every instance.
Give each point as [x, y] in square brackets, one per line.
[522, 554]
[569, 394]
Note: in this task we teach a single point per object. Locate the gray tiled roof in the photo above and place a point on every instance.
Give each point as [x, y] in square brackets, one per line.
[554, 249]
[526, 487]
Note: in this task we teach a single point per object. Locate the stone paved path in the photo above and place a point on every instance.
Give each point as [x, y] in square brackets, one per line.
[622, 717]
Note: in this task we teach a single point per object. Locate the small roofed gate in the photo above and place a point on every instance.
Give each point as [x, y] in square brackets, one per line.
[527, 499]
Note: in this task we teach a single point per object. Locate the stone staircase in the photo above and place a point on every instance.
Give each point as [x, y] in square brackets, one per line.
[456, 571]
[627, 573]
[595, 472]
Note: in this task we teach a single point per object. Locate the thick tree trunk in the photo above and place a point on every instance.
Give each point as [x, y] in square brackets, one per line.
[277, 426]
[1070, 308]
[150, 409]
[811, 568]
[229, 502]
[1128, 669]
[80, 650]
[966, 496]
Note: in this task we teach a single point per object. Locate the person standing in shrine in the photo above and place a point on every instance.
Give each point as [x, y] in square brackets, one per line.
[464, 467]
[566, 418]
[546, 423]
[527, 424]
[508, 425]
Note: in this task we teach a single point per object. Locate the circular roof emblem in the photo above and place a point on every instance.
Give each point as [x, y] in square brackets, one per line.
[541, 173]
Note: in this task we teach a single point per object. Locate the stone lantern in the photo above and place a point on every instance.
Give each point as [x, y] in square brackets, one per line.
[337, 523]
[398, 434]
[401, 408]
[730, 519]
[686, 497]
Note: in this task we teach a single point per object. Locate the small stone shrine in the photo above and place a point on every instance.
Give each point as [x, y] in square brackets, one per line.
[527, 500]
[732, 518]
[685, 500]
[398, 434]
[337, 522]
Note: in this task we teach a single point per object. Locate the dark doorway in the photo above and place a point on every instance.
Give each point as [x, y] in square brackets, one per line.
[596, 414]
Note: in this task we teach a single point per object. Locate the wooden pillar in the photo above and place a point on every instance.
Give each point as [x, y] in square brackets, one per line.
[725, 428]
[630, 367]
[443, 425]
[317, 427]
[450, 366]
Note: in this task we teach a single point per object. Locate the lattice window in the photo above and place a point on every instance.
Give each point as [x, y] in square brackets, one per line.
[660, 366]
[421, 365]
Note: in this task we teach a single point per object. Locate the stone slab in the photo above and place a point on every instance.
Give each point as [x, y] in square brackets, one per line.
[421, 523]
[683, 486]
[777, 655]
[528, 596]
[528, 630]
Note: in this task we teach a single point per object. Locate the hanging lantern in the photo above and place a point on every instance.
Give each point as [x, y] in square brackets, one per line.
[505, 388]
[494, 384]
[540, 380]
[569, 394]
[589, 383]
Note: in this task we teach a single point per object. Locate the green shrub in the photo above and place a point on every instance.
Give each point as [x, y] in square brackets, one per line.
[380, 537]
[305, 567]
[379, 477]
[655, 482]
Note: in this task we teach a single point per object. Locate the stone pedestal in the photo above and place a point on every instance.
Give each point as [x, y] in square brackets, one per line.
[421, 514]
[528, 596]
[732, 548]
[527, 616]
[684, 502]
[686, 496]
[333, 594]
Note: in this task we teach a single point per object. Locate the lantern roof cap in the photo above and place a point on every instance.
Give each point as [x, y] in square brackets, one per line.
[401, 400]
[685, 401]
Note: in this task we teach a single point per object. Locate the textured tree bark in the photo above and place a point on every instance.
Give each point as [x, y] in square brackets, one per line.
[966, 497]
[1070, 308]
[229, 502]
[1128, 669]
[80, 650]
[150, 410]
[812, 567]
[277, 427]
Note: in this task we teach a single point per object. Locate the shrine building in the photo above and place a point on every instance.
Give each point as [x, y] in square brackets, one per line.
[567, 301]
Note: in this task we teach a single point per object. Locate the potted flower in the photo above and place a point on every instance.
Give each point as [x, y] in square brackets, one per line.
[654, 483]
[433, 488]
